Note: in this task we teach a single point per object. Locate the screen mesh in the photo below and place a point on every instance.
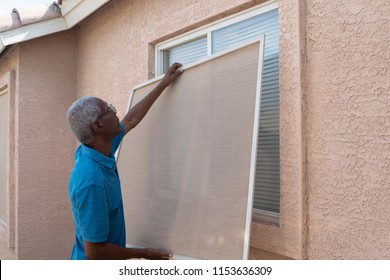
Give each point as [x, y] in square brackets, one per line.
[185, 169]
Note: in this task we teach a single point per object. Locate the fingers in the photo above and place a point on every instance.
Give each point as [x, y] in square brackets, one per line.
[177, 65]
[158, 254]
[173, 72]
[179, 70]
[176, 68]
[164, 255]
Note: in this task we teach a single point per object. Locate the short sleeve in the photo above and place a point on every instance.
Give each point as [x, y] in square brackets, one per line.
[117, 140]
[93, 206]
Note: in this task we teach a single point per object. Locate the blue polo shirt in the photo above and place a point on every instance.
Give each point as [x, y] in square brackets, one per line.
[95, 195]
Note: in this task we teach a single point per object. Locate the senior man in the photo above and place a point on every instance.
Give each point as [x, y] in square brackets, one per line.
[94, 187]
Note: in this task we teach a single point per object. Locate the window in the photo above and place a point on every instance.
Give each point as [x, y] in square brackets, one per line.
[4, 155]
[7, 194]
[217, 37]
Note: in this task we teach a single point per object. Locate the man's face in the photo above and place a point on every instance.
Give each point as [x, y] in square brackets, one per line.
[108, 119]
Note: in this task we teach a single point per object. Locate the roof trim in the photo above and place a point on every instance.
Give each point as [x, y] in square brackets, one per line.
[73, 11]
[80, 9]
[35, 30]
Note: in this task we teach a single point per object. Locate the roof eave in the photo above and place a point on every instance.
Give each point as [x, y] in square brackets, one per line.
[74, 12]
[31, 31]
[77, 10]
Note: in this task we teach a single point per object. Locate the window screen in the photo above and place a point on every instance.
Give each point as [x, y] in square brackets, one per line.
[187, 173]
[267, 191]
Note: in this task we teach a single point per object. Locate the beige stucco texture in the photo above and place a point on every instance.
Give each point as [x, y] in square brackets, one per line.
[45, 86]
[334, 98]
[334, 119]
[117, 53]
[47, 73]
[348, 129]
[114, 53]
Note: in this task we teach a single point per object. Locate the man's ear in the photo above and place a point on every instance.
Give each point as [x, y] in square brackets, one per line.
[97, 127]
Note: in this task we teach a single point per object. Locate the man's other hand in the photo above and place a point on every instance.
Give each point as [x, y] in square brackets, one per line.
[156, 254]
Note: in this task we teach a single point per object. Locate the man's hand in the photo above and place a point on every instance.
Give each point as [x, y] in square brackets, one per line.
[109, 251]
[138, 112]
[155, 254]
[173, 72]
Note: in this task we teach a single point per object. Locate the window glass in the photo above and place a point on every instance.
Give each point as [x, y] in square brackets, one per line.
[186, 53]
[267, 182]
[230, 35]
[267, 190]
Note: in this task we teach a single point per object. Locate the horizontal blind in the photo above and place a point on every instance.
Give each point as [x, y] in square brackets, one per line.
[187, 53]
[267, 185]
[250, 28]
[267, 182]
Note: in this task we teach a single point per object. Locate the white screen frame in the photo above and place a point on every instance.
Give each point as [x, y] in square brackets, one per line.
[256, 121]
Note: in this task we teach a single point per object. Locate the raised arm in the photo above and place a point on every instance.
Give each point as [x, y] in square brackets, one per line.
[138, 112]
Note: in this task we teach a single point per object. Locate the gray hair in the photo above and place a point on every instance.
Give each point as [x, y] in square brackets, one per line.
[81, 115]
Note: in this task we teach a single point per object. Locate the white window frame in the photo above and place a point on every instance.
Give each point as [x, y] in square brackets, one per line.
[7, 228]
[4, 93]
[206, 30]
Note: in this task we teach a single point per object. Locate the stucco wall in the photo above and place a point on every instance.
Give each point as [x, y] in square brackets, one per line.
[334, 119]
[289, 238]
[334, 116]
[47, 87]
[348, 129]
[117, 53]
